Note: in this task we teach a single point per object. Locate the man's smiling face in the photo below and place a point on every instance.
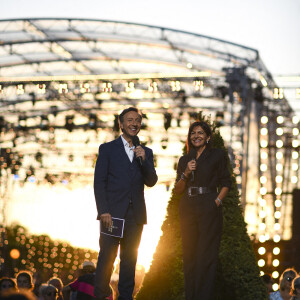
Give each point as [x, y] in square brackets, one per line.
[131, 124]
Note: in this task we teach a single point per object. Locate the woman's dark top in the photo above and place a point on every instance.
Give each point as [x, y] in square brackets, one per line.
[211, 171]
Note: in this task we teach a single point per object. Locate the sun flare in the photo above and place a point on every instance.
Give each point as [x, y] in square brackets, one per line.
[70, 215]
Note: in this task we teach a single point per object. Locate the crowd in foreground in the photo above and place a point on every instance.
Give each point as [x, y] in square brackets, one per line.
[82, 288]
[289, 285]
[22, 287]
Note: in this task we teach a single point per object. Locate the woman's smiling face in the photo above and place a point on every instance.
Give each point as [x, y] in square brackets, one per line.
[199, 137]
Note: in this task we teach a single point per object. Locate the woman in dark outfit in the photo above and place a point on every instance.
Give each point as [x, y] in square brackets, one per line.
[199, 174]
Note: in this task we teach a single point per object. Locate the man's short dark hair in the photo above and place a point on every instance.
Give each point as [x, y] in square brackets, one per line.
[127, 110]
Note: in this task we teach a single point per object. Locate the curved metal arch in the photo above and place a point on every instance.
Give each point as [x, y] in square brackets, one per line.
[185, 47]
[163, 29]
[216, 53]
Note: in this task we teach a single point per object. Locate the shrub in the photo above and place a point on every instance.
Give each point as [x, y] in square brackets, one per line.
[238, 273]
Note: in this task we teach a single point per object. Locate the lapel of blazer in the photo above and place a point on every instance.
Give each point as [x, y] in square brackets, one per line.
[203, 155]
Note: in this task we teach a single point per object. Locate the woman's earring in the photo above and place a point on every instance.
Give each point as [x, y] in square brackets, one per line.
[207, 141]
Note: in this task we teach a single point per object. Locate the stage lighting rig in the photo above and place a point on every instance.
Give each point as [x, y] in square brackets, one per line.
[69, 124]
[93, 120]
[167, 120]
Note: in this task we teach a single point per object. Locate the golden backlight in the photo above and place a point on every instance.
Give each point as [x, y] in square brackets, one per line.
[70, 215]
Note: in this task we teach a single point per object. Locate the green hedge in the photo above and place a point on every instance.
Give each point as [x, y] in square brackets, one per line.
[238, 273]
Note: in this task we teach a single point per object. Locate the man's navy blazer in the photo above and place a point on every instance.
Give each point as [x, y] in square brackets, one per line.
[118, 181]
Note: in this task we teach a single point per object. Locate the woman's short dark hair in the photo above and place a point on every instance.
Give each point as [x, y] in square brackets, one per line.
[206, 129]
[127, 110]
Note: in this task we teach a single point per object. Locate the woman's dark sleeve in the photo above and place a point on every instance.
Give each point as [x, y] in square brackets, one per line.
[180, 169]
[224, 176]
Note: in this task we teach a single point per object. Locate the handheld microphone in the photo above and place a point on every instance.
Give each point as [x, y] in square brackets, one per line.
[136, 142]
[193, 155]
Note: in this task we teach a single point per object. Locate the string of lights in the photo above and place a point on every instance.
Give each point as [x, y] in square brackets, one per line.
[279, 163]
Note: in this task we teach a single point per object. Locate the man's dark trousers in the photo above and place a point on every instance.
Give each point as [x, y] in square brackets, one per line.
[128, 255]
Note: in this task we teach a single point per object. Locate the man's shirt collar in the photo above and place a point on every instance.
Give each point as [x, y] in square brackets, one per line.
[126, 144]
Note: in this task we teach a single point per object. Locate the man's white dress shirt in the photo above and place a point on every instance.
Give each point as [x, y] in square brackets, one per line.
[128, 149]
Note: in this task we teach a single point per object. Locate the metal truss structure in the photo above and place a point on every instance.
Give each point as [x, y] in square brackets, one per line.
[63, 81]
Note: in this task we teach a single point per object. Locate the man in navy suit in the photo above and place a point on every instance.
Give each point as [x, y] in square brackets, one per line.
[121, 172]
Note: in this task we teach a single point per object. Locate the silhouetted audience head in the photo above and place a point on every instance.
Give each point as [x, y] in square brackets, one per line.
[88, 267]
[24, 280]
[295, 291]
[7, 284]
[38, 279]
[286, 278]
[56, 282]
[14, 295]
[268, 280]
[48, 292]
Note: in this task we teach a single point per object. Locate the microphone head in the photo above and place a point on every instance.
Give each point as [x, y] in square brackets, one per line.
[135, 141]
[192, 153]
